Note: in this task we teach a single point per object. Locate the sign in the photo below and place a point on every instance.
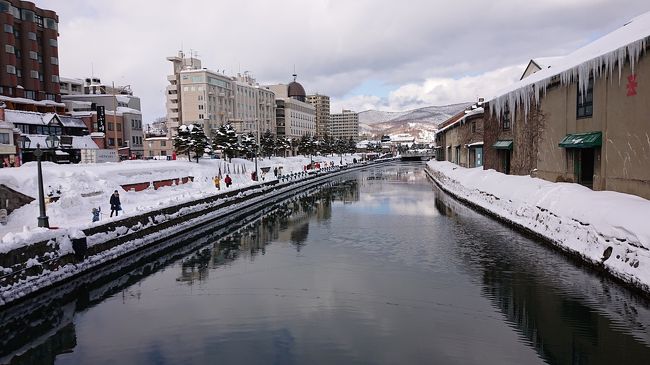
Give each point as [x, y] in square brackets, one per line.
[98, 156]
[631, 85]
[101, 119]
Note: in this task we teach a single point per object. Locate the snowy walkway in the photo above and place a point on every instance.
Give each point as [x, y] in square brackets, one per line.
[85, 186]
[601, 226]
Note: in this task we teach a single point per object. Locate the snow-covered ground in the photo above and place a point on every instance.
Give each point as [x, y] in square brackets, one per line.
[601, 226]
[85, 186]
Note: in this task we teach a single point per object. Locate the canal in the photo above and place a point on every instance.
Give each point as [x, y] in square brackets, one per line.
[377, 267]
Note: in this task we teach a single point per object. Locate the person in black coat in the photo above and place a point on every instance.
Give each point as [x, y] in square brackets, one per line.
[116, 206]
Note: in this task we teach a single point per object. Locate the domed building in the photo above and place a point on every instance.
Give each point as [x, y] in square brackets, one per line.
[295, 90]
[295, 117]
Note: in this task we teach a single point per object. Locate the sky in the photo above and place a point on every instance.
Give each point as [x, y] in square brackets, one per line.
[364, 54]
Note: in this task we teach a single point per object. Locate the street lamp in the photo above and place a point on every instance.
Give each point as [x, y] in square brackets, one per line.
[51, 142]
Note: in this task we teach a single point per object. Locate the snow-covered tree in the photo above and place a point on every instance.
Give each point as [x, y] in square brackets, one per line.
[226, 140]
[307, 145]
[248, 145]
[268, 144]
[191, 139]
[326, 145]
[352, 145]
[182, 141]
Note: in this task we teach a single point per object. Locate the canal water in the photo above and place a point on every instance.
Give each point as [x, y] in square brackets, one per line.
[378, 267]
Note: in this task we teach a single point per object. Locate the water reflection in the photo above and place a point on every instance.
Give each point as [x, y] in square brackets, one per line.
[567, 313]
[374, 268]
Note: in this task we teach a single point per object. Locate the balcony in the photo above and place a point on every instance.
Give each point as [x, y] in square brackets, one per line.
[171, 78]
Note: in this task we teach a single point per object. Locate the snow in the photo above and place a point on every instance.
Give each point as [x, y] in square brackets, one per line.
[87, 186]
[468, 113]
[599, 58]
[572, 216]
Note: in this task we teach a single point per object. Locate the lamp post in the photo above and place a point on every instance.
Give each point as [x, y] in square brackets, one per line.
[52, 142]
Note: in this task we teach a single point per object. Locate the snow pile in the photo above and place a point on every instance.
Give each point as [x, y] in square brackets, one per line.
[599, 58]
[86, 186]
[602, 226]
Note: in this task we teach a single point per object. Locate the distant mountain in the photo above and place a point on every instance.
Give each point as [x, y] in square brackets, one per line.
[419, 123]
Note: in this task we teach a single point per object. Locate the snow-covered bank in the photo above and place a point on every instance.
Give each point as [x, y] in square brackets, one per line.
[86, 186]
[605, 228]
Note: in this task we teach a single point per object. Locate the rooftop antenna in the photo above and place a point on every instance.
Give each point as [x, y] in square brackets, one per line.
[294, 72]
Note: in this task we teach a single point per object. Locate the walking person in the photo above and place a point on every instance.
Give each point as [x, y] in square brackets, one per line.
[116, 206]
[217, 182]
[228, 181]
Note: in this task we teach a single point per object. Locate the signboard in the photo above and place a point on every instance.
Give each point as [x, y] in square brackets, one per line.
[101, 119]
[98, 156]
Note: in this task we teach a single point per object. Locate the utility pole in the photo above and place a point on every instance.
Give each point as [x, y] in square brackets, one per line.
[117, 148]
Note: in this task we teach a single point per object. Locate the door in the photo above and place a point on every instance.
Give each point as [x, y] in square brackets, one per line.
[584, 167]
[479, 156]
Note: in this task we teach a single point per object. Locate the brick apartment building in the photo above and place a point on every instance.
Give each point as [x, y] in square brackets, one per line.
[29, 64]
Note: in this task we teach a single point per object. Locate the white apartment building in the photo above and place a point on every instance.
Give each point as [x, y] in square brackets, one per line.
[322, 105]
[254, 108]
[344, 125]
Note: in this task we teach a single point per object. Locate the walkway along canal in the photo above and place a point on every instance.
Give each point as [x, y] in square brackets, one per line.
[376, 266]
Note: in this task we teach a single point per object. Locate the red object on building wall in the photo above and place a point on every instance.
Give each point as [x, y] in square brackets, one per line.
[631, 85]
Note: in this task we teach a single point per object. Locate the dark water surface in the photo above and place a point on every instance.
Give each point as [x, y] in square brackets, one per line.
[377, 268]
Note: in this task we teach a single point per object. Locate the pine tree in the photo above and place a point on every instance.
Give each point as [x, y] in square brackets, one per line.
[226, 141]
[248, 145]
[352, 145]
[268, 144]
[340, 146]
[182, 141]
[199, 143]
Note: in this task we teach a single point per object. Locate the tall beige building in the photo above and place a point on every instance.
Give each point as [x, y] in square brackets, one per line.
[322, 105]
[254, 107]
[344, 125]
[198, 95]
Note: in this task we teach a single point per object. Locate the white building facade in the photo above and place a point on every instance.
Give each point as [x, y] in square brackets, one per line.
[344, 125]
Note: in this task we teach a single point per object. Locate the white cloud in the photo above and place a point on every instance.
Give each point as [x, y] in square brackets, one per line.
[426, 48]
[435, 91]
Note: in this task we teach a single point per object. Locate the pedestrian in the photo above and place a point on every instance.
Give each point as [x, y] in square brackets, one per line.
[254, 176]
[275, 171]
[217, 182]
[116, 206]
[96, 212]
[228, 181]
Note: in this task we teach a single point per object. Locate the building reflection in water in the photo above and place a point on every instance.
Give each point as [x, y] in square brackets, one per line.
[288, 223]
[35, 332]
[572, 317]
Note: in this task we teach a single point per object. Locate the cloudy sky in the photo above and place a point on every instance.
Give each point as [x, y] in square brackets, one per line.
[387, 55]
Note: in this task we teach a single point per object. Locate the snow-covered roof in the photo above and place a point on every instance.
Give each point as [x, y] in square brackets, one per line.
[31, 102]
[34, 118]
[468, 113]
[598, 58]
[4, 124]
[157, 139]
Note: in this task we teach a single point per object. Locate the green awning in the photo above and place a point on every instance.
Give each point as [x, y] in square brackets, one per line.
[503, 144]
[582, 140]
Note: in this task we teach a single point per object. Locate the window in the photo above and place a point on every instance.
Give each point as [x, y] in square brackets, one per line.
[54, 43]
[585, 104]
[31, 35]
[27, 15]
[54, 60]
[110, 126]
[50, 96]
[119, 141]
[163, 143]
[111, 142]
[33, 55]
[473, 127]
[33, 74]
[50, 23]
[55, 78]
[11, 69]
[19, 73]
[9, 28]
[4, 138]
[119, 127]
[39, 20]
[9, 49]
